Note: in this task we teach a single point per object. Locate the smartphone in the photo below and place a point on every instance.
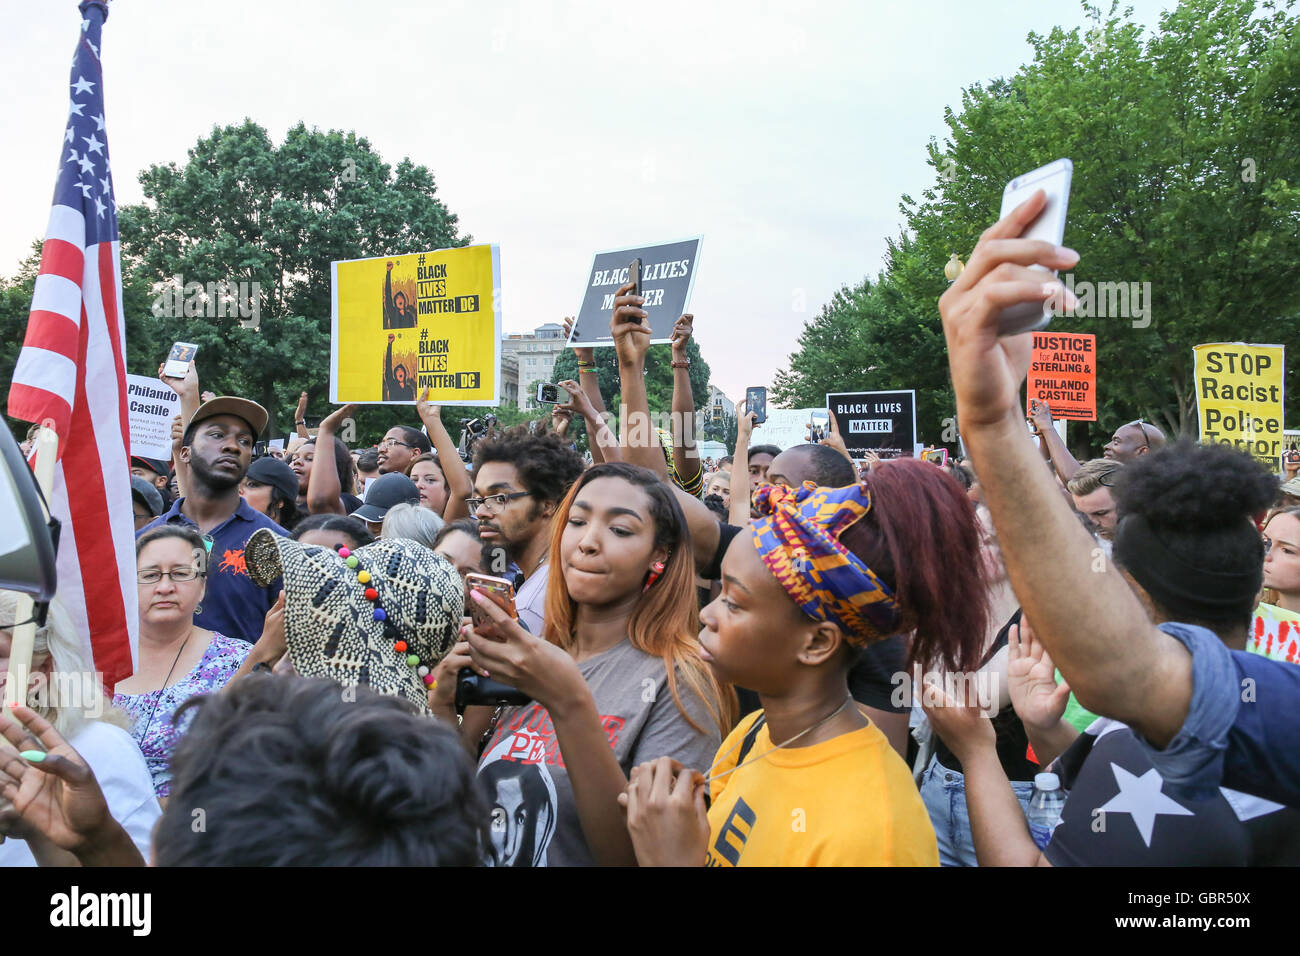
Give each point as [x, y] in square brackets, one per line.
[497, 589]
[756, 402]
[179, 359]
[634, 275]
[938, 455]
[549, 394]
[819, 425]
[1053, 179]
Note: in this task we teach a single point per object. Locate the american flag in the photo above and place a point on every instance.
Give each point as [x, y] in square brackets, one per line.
[71, 375]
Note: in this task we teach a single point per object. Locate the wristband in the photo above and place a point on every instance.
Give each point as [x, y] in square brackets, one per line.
[586, 368]
[301, 421]
[685, 364]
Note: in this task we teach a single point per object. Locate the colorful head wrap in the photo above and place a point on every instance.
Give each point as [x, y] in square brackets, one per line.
[798, 539]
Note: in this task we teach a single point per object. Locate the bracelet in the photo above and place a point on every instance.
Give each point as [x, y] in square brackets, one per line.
[586, 365]
[685, 364]
[301, 421]
[586, 368]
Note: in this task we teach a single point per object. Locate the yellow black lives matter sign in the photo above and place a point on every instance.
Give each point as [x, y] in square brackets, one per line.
[405, 323]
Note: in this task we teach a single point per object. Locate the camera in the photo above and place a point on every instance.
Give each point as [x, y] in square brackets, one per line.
[475, 691]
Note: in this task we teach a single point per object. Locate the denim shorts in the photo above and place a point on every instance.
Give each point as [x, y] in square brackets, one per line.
[944, 794]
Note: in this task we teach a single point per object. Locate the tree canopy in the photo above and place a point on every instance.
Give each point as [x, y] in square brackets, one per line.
[1186, 176]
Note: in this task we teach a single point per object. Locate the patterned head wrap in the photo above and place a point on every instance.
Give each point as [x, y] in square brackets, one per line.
[798, 539]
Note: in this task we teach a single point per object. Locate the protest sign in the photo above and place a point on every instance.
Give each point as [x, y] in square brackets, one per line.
[1290, 447]
[1239, 397]
[784, 428]
[1063, 375]
[880, 422]
[426, 319]
[150, 407]
[667, 276]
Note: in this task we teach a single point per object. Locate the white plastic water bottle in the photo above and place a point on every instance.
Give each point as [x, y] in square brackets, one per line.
[1045, 806]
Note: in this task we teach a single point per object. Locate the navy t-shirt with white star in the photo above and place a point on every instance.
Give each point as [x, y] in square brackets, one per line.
[1117, 815]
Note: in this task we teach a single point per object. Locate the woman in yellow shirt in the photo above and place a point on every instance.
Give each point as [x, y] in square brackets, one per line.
[809, 780]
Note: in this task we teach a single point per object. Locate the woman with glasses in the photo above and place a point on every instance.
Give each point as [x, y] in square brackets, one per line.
[177, 659]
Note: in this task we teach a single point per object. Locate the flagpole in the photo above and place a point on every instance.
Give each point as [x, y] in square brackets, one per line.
[20, 654]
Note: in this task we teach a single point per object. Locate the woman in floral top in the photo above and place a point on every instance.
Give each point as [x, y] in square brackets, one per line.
[177, 659]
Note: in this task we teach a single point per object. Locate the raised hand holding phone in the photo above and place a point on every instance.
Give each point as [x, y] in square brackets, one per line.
[1053, 180]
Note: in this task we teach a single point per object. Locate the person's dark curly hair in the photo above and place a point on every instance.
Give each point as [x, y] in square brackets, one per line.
[1200, 502]
[547, 464]
[294, 772]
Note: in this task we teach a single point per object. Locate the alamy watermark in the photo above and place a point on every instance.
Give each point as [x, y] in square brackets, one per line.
[213, 300]
[1102, 300]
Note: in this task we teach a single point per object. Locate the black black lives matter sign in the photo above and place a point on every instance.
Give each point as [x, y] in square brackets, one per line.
[667, 277]
[880, 422]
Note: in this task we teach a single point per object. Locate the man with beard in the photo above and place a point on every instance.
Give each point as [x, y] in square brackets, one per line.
[519, 482]
[218, 448]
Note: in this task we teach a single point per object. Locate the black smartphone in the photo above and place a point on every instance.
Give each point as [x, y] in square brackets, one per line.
[634, 275]
[473, 690]
[756, 402]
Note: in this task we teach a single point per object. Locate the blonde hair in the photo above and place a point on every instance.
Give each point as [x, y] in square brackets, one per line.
[74, 694]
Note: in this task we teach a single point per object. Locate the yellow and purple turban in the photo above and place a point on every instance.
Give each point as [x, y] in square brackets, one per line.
[797, 537]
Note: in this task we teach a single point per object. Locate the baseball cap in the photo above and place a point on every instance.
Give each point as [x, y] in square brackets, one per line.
[271, 471]
[384, 492]
[153, 464]
[147, 494]
[250, 412]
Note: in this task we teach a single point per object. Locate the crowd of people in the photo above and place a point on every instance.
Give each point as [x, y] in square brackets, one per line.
[391, 655]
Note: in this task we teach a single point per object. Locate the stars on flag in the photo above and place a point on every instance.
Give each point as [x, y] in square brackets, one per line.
[82, 85]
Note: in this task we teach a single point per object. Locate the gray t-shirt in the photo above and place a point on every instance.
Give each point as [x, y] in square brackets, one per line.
[534, 817]
[530, 601]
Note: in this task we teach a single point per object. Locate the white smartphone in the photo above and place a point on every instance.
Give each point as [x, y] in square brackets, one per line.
[1053, 179]
[179, 359]
[549, 394]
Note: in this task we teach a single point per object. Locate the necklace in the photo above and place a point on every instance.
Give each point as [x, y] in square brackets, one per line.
[166, 681]
[709, 778]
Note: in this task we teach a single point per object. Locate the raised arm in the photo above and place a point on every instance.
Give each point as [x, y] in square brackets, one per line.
[1054, 450]
[738, 513]
[459, 487]
[300, 417]
[323, 489]
[1118, 663]
[604, 446]
[685, 458]
[639, 442]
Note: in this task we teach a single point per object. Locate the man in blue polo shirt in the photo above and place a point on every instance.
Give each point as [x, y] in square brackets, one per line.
[217, 448]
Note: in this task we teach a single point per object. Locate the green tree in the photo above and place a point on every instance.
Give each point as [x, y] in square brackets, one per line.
[1186, 176]
[243, 209]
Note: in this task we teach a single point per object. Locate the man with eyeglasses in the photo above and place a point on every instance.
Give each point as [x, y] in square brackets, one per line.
[519, 482]
[218, 447]
[1134, 439]
[401, 446]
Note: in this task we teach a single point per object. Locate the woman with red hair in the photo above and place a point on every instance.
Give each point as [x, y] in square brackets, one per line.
[616, 679]
[821, 574]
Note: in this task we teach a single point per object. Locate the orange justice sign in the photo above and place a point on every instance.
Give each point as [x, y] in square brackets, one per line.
[1063, 374]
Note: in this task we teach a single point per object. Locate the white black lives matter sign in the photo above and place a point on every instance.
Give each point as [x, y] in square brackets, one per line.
[880, 422]
[667, 277]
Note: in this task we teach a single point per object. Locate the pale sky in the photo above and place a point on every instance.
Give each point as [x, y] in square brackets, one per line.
[783, 132]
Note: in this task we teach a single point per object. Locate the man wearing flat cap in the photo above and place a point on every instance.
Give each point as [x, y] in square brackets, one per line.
[218, 448]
